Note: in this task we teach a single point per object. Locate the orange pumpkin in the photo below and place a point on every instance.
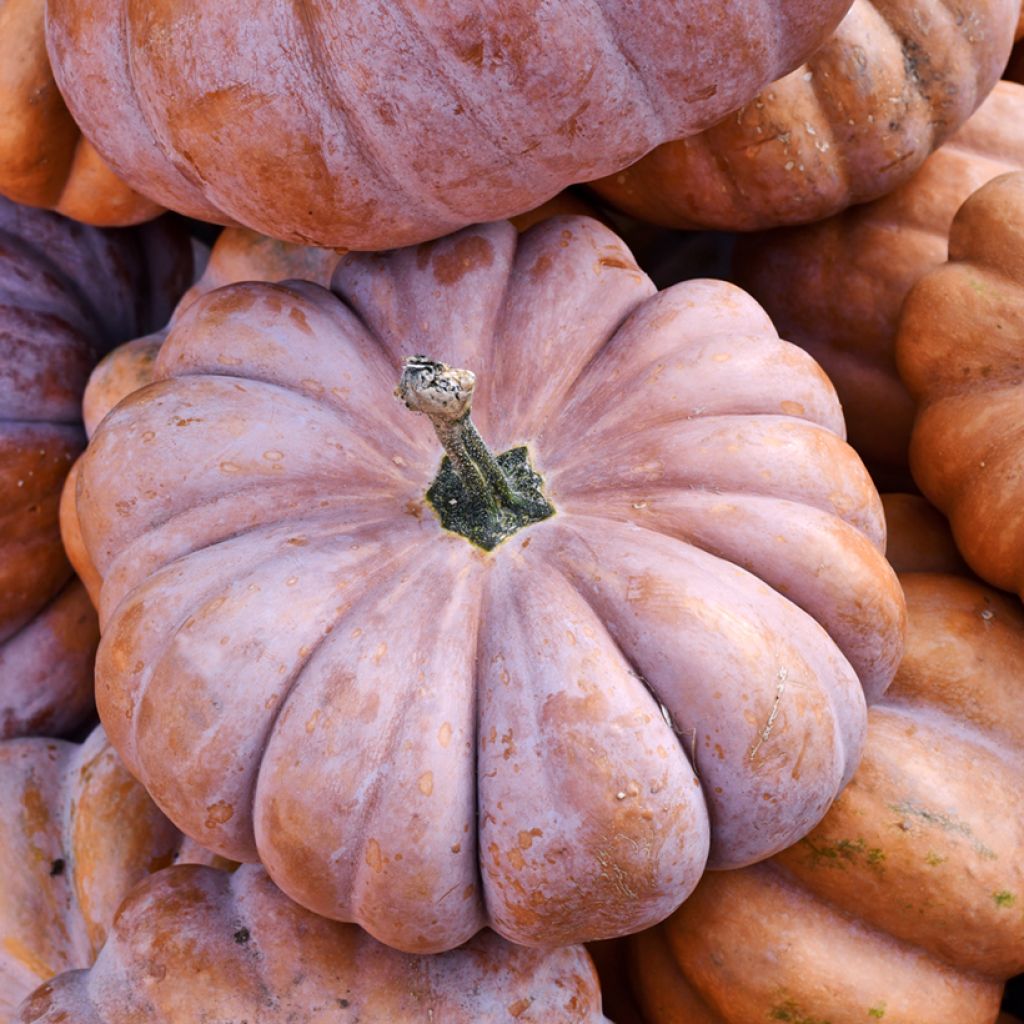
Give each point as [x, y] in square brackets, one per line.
[851, 124]
[264, 511]
[960, 351]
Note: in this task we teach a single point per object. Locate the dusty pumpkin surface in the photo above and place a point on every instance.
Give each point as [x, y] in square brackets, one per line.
[305, 668]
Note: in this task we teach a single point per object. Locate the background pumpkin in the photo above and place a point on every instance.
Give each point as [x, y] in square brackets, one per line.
[67, 293]
[851, 124]
[591, 819]
[960, 351]
[903, 904]
[77, 832]
[836, 288]
[335, 140]
[44, 161]
[266, 959]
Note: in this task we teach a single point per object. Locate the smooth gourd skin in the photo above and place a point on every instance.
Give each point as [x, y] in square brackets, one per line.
[835, 288]
[67, 293]
[304, 668]
[855, 121]
[265, 959]
[960, 350]
[292, 118]
[44, 160]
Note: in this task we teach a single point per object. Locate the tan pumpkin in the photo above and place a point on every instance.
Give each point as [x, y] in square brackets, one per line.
[77, 832]
[904, 903]
[960, 350]
[195, 944]
[261, 512]
[853, 123]
[44, 160]
[836, 288]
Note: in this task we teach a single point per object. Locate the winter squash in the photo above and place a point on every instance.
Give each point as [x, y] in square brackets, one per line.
[265, 959]
[960, 350]
[44, 161]
[295, 121]
[836, 288]
[903, 904]
[265, 511]
[52, 327]
[918, 537]
[851, 124]
[77, 832]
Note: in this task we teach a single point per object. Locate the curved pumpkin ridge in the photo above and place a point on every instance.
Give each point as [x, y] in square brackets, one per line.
[400, 815]
[768, 772]
[583, 778]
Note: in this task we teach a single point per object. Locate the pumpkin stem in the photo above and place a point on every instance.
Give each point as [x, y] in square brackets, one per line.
[496, 507]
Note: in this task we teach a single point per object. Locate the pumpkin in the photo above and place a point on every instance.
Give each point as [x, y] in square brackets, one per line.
[421, 744]
[836, 288]
[903, 904]
[851, 124]
[960, 350]
[66, 293]
[44, 160]
[295, 121]
[265, 959]
[77, 832]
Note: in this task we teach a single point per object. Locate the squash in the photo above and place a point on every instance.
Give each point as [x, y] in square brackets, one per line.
[851, 124]
[296, 121]
[903, 904]
[265, 959]
[836, 288]
[684, 524]
[960, 350]
[66, 294]
[77, 832]
[44, 160]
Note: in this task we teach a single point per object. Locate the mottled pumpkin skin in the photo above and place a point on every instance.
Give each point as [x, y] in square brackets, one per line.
[836, 288]
[853, 123]
[431, 738]
[77, 832]
[265, 959]
[44, 160]
[67, 293]
[960, 350]
[904, 903]
[463, 116]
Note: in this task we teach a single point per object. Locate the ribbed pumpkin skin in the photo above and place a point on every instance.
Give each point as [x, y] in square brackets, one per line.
[371, 124]
[960, 351]
[258, 513]
[836, 288]
[266, 960]
[853, 123]
[67, 293]
[77, 832]
[44, 161]
[904, 903]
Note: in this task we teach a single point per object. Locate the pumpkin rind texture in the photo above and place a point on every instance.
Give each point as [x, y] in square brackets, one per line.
[293, 120]
[265, 959]
[258, 513]
[851, 124]
[960, 351]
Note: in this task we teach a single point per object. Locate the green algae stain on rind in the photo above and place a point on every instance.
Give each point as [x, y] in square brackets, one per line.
[1004, 898]
[841, 853]
[792, 1013]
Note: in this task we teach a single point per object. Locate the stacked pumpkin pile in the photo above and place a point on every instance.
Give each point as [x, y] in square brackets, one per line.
[450, 596]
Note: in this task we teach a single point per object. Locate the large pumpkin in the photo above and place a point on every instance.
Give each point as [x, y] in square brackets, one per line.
[196, 944]
[44, 160]
[67, 293]
[851, 124]
[371, 124]
[961, 353]
[427, 735]
[77, 832]
[904, 903]
[836, 288]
